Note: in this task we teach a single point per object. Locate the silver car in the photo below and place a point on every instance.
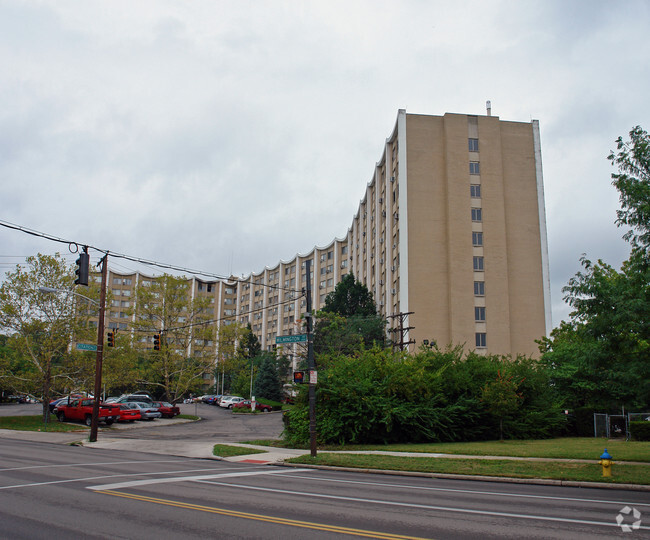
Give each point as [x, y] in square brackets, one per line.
[147, 411]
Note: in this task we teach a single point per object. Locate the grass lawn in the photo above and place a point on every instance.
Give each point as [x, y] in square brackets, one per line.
[225, 450]
[566, 447]
[35, 423]
[585, 472]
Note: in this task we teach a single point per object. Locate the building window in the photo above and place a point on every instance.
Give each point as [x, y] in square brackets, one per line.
[481, 339]
[473, 145]
[477, 238]
[474, 167]
[478, 264]
[475, 191]
[477, 214]
[479, 288]
[479, 313]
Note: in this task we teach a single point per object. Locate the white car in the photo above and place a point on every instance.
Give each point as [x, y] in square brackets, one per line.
[228, 401]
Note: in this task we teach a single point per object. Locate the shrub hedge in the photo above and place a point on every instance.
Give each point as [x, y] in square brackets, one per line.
[380, 396]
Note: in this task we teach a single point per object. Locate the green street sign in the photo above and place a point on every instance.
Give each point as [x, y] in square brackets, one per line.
[298, 338]
[86, 347]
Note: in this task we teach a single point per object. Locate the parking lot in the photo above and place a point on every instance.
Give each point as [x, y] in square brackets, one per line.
[216, 424]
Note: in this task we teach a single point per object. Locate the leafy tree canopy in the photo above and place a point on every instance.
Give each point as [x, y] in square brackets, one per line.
[350, 297]
[348, 320]
[600, 358]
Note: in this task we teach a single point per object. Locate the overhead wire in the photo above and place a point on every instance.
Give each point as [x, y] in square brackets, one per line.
[139, 260]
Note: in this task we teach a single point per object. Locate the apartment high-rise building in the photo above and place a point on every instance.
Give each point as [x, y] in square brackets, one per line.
[451, 231]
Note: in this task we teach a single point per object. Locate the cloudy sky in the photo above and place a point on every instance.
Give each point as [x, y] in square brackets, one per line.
[225, 136]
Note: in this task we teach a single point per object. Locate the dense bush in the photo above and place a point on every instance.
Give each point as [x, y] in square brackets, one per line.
[640, 430]
[385, 397]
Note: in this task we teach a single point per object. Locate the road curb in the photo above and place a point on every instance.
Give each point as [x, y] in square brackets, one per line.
[501, 479]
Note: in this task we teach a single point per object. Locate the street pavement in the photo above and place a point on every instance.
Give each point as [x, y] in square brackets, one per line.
[188, 438]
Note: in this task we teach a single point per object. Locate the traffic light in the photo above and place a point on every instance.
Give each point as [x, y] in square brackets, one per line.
[298, 377]
[82, 268]
[111, 339]
[156, 342]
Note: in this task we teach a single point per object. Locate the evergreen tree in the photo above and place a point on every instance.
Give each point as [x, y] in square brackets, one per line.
[268, 384]
[348, 320]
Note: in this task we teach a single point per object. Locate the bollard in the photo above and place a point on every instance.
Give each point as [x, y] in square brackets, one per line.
[606, 461]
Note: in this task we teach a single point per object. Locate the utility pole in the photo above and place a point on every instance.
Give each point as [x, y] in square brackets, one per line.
[402, 330]
[100, 351]
[311, 364]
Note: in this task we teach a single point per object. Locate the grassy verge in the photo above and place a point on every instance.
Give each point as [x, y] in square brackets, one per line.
[225, 450]
[187, 417]
[35, 423]
[584, 472]
[566, 448]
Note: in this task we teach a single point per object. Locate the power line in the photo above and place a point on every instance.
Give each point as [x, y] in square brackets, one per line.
[146, 262]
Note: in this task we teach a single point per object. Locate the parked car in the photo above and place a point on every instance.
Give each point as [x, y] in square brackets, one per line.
[62, 400]
[167, 410]
[247, 404]
[135, 398]
[82, 409]
[129, 412]
[228, 401]
[147, 410]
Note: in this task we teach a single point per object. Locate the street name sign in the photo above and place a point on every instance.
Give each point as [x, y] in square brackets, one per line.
[298, 338]
[86, 347]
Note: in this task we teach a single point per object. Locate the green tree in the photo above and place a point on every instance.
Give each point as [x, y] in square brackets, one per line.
[166, 307]
[633, 184]
[234, 344]
[348, 320]
[41, 325]
[268, 384]
[502, 397]
[350, 297]
[600, 357]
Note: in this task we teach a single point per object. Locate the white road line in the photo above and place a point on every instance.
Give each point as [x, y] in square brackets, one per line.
[423, 506]
[474, 492]
[88, 478]
[89, 464]
[137, 483]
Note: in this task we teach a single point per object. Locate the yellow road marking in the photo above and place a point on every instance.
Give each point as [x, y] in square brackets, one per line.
[259, 517]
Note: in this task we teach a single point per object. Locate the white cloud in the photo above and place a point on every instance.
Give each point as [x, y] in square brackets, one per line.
[226, 137]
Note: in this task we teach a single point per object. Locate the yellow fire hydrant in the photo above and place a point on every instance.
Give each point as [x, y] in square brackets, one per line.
[606, 461]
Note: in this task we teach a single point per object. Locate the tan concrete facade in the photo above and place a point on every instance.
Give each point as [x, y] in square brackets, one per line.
[451, 228]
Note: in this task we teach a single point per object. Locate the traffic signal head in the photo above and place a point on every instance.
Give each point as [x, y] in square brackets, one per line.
[82, 269]
[156, 342]
[298, 377]
[111, 339]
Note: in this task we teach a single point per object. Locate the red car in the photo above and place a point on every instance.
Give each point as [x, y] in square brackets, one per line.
[129, 412]
[246, 404]
[167, 410]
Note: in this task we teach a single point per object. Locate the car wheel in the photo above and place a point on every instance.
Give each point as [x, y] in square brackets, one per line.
[89, 420]
[61, 417]
[230, 406]
[109, 422]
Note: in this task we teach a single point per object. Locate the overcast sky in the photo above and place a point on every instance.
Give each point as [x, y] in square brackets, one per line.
[227, 136]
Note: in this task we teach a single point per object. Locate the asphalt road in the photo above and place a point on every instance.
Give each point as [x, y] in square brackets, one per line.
[50, 490]
[54, 491]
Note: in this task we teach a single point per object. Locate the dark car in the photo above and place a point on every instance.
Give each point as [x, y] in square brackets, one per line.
[167, 410]
[247, 404]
